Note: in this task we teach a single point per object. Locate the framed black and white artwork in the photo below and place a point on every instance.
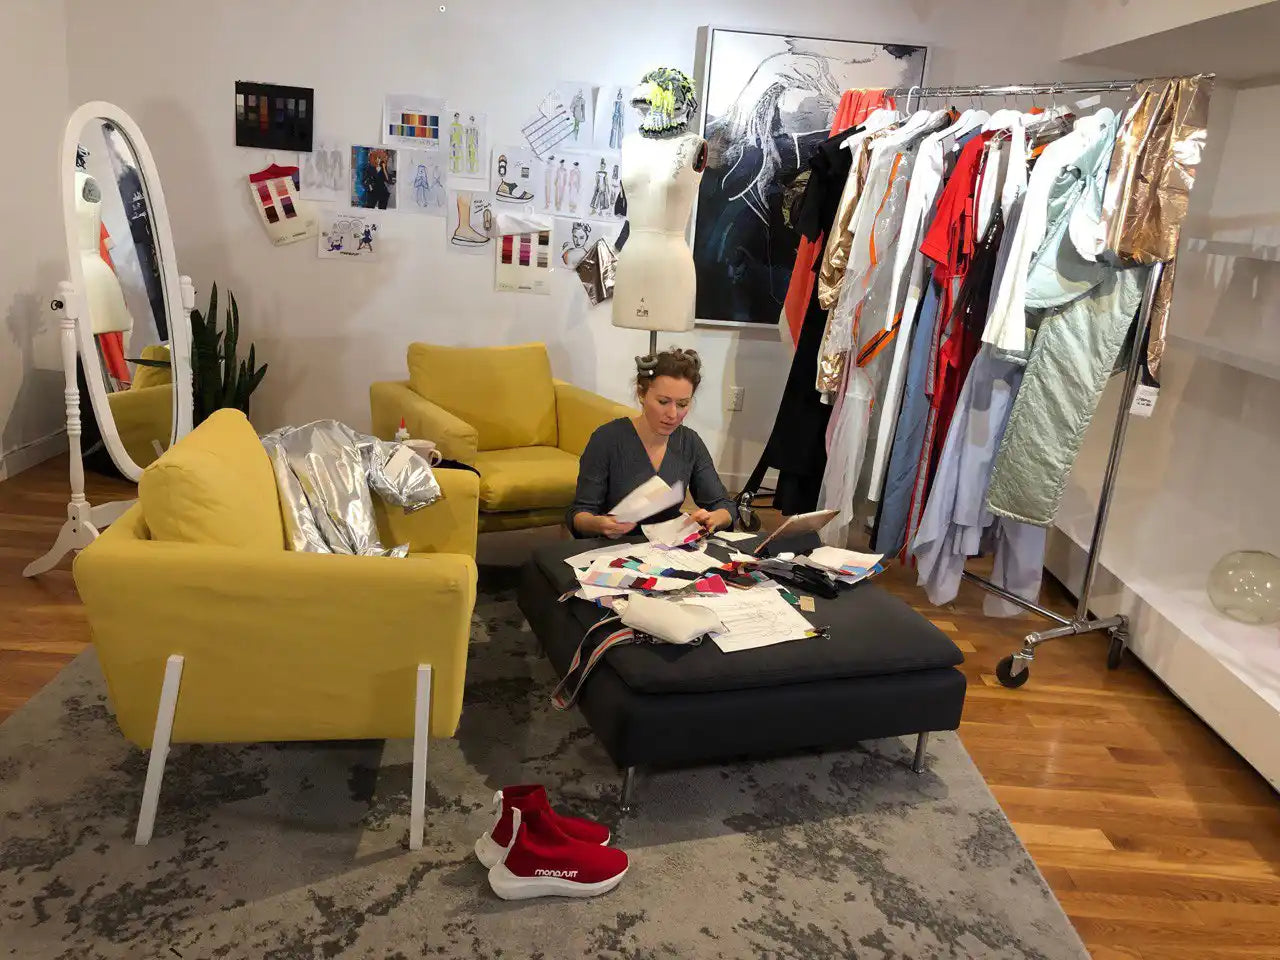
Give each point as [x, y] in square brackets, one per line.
[768, 101]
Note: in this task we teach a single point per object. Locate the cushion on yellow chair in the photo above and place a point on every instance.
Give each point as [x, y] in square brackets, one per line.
[506, 393]
[214, 486]
[144, 376]
[527, 478]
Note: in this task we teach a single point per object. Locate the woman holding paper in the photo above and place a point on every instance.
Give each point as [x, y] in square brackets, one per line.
[629, 452]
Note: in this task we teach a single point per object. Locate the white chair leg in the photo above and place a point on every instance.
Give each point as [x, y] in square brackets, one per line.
[418, 795]
[159, 748]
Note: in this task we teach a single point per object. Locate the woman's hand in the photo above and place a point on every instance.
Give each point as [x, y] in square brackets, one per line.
[611, 528]
[711, 520]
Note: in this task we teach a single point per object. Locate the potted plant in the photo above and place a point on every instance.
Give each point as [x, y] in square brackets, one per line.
[218, 378]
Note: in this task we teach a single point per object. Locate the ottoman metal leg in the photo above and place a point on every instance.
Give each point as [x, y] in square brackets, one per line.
[922, 742]
[628, 787]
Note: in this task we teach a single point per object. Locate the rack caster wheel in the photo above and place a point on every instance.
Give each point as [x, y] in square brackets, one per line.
[1115, 652]
[1006, 676]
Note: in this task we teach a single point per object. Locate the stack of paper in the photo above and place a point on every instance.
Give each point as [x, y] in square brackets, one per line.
[674, 533]
[652, 496]
[846, 565]
[754, 618]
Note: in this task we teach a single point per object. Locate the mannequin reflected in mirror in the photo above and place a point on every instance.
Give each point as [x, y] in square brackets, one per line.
[661, 168]
[140, 400]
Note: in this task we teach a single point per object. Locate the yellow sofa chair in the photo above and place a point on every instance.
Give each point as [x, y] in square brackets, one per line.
[210, 631]
[144, 412]
[499, 410]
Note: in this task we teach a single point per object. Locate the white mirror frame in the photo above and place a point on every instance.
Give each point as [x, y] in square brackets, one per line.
[177, 307]
[84, 520]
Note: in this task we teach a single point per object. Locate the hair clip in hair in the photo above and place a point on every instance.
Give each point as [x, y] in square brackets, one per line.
[646, 366]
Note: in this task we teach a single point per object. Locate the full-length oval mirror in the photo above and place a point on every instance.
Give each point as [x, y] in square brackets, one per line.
[132, 325]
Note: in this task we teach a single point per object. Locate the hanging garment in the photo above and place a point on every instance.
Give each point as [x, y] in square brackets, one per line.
[1006, 326]
[1076, 347]
[1152, 171]
[796, 445]
[956, 524]
[854, 107]
[932, 160]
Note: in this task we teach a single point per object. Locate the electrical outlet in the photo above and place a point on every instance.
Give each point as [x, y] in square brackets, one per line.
[735, 397]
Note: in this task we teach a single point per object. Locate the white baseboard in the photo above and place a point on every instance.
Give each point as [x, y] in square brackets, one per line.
[13, 462]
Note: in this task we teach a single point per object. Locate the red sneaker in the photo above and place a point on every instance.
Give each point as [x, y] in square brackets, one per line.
[528, 797]
[543, 862]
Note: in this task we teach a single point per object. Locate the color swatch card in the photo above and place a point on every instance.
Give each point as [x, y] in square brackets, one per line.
[284, 215]
[524, 263]
[350, 236]
[412, 121]
[274, 117]
[676, 532]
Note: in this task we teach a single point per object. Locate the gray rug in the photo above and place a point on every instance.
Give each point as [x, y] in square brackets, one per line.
[296, 851]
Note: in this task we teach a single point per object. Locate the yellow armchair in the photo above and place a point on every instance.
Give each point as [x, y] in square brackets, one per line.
[499, 410]
[143, 414]
[209, 631]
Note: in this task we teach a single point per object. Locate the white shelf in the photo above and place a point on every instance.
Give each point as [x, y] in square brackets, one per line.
[1231, 248]
[1227, 672]
[1262, 361]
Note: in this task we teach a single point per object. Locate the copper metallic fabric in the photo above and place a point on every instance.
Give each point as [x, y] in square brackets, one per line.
[1153, 169]
[840, 241]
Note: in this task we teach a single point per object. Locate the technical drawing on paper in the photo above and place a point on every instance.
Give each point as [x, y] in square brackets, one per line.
[470, 219]
[758, 617]
[518, 176]
[579, 99]
[468, 150]
[325, 173]
[421, 189]
[549, 126]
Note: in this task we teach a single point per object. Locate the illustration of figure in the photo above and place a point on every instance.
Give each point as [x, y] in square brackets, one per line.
[578, 111]
[422, 186]
[562, 179]
[335, 179]
[549, 177]
[473, 146]
[464, 234]
[510, 191]
[615, 131]
[336, 233]
[575, 187]
[571, 253]
[436, 193]
[600, 195]
[366, 240]
[457, 145]
[615, 190]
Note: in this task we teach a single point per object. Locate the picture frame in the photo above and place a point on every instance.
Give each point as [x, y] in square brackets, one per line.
[766, 102]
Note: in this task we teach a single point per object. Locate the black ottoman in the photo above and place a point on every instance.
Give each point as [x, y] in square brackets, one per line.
[886, 671]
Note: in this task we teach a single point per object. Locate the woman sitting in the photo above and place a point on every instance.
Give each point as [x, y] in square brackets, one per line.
[623, 454]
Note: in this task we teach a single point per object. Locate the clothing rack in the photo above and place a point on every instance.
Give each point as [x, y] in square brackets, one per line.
[1014, 669]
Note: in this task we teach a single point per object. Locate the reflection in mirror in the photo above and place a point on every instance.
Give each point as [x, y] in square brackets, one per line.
[124, 296]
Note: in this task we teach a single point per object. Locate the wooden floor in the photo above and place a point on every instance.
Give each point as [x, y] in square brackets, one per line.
[1159, 841]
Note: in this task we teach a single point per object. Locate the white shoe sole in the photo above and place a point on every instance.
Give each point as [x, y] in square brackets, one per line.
[489, 853]
[510, 887]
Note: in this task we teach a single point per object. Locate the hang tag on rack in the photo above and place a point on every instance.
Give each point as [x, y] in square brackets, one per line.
[1088, 102]
[1144, 400]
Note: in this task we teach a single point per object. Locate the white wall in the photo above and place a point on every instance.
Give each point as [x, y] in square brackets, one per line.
[1093, 24]
[329, 329]
[33, 74]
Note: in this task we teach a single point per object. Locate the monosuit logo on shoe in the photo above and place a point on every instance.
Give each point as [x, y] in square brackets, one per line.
[569, 874]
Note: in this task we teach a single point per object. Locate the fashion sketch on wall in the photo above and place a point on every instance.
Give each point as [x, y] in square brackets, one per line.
[768, 103]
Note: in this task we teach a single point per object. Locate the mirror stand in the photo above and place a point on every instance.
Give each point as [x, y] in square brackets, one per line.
[83, 519]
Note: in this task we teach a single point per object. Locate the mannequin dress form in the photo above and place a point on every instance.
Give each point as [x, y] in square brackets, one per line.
[107, 312]
[655, 281]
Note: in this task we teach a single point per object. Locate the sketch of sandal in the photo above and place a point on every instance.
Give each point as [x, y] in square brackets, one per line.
[464, 235]
[512, 192]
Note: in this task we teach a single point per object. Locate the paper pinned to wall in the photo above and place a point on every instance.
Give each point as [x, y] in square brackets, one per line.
[573, 239]
[410, 120]
[580, 100]
[374, 171]
[592, 185]
[549, 125]
[468, 140]
[350, 235]
[615, 118]
[420, 187]
[285, 216]
[523, 263]
[518, 177]
[326, 171]
[469, 217]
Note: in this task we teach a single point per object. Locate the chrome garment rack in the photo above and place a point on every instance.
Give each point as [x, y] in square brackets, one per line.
[1014, 669]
